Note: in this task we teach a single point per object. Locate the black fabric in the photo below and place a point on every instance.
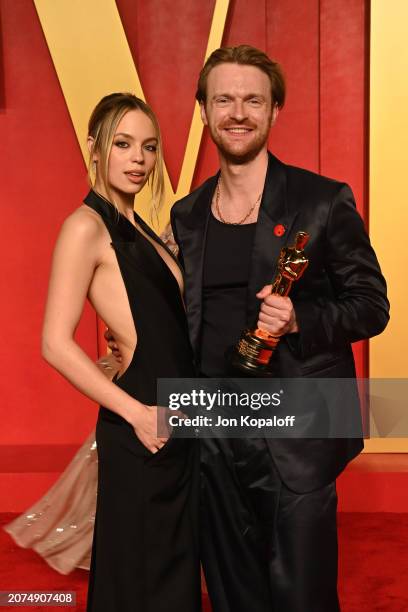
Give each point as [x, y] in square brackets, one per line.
[264, 548]
[341, 297]
[145, 548]
[225, 287]
[269, 537]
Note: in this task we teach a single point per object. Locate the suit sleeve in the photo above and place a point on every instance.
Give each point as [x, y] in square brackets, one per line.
[358, 308]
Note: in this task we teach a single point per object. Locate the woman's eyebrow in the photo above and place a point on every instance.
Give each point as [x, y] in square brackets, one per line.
[131, 137]
[124, 134]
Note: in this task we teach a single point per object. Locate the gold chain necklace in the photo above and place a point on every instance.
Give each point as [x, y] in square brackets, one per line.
[217, 207]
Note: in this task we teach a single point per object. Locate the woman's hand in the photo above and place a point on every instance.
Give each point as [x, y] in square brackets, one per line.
[146, 425]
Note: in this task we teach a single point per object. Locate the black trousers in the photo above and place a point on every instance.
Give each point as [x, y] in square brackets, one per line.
[145, 553]
[264, 548]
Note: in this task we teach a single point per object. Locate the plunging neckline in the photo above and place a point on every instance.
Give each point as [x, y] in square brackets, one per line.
[104, 203]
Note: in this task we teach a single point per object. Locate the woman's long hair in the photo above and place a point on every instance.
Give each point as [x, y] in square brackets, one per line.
[102, 128]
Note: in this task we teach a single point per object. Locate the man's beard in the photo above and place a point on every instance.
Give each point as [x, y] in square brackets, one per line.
[246, 156]
[241, 158]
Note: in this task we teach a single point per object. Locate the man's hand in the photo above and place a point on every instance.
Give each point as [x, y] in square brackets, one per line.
[168, 239]
[276, 315]
[108, 366]
[112, 345]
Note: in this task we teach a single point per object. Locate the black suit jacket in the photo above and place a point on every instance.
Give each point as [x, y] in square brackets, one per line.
[340, 299]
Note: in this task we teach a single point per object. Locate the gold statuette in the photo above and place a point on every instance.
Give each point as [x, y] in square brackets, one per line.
[256, 347]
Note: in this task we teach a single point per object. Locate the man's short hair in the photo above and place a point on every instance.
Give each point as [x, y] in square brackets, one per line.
[246, 56]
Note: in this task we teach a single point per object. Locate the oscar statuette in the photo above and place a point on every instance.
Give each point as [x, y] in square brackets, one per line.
[255, 348]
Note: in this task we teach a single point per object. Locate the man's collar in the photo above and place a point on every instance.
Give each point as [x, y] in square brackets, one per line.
[273, 201]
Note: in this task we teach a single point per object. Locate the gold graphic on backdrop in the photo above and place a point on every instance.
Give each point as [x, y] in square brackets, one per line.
[91, 56]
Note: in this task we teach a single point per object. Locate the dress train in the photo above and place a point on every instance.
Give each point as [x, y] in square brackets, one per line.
[59, 526]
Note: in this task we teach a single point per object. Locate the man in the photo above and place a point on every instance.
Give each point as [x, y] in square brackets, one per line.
[269, 540]
[269, 506]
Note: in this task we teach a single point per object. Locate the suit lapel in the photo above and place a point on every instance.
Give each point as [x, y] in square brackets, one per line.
[273, 212]
[192, 232]
[192, 237]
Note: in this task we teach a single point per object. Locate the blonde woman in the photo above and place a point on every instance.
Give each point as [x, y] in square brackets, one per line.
[144, 546]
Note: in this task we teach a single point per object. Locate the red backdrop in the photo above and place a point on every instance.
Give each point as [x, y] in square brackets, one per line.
[322, 45]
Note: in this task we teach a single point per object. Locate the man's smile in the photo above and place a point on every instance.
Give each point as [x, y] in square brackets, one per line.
[238, 130]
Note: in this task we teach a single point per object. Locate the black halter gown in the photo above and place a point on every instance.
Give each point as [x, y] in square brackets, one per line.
[145, 551]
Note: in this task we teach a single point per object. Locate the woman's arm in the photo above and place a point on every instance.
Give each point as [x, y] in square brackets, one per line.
[76, 256]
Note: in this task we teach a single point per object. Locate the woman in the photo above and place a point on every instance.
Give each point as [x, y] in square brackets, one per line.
[59, 526]
[144, 547]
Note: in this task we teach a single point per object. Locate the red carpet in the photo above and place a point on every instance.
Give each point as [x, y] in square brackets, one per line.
[373, 566]
[373, 562]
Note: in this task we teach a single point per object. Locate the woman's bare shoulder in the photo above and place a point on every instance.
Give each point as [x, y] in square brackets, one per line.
[83, 225]
[85, 221]
[83, 233]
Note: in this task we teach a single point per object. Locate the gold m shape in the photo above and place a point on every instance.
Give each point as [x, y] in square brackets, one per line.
[91, 57]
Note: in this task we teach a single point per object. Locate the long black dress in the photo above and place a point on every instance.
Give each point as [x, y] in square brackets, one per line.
[145, 549]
